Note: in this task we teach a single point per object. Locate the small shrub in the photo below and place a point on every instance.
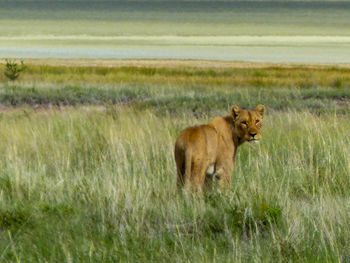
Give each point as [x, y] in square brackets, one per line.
[13, 69]
[225, 215]
[337, 83]
[61, 210]
[13, 218]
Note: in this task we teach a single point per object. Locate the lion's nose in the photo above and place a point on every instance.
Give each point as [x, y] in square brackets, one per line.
[252, 134]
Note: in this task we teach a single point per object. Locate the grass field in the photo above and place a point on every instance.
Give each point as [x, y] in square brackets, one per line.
[88, 175]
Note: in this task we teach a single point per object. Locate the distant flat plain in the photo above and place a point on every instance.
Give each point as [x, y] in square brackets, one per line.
[302, 32]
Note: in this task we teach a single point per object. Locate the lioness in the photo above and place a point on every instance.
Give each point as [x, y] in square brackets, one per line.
[206, 153]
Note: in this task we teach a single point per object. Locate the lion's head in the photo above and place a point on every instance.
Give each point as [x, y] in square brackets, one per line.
[248, 123]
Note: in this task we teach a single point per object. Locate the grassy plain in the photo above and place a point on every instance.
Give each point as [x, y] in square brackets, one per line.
[87, 169]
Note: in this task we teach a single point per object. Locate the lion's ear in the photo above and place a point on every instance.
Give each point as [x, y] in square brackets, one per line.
[261, 110]
[235, 111]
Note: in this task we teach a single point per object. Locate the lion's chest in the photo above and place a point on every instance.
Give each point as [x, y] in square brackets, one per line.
[211, 170]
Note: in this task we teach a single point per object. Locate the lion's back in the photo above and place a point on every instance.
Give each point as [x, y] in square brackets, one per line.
[196, 137]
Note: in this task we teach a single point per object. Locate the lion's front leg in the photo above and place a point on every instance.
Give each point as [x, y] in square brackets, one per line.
[223, 175]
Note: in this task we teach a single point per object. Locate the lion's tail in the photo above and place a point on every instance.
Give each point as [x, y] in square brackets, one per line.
[188, 167]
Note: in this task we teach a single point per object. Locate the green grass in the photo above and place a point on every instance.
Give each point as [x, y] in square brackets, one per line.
[182, 90]
[96, 182]
[100, 185]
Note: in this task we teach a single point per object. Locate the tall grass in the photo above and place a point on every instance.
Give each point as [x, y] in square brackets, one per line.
[181, 90]
[297, 76]
[99, 185]
[95, 181]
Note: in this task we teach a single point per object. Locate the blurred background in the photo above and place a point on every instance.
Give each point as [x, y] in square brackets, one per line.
[257, 31]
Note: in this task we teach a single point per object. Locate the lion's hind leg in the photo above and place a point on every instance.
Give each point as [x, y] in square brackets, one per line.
[180, 166]
[180, 180]
[198, 173]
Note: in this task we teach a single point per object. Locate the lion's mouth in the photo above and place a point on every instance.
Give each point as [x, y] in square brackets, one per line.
[253, 140]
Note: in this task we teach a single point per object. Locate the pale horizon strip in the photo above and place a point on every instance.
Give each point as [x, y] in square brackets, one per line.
[191, 39]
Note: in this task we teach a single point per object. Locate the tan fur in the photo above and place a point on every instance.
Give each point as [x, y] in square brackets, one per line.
[206, 153]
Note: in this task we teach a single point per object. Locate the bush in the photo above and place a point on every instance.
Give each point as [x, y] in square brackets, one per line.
[13, 69]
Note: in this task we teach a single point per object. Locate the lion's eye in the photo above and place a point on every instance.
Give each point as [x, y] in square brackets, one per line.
[245, 123]
[257, 121]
